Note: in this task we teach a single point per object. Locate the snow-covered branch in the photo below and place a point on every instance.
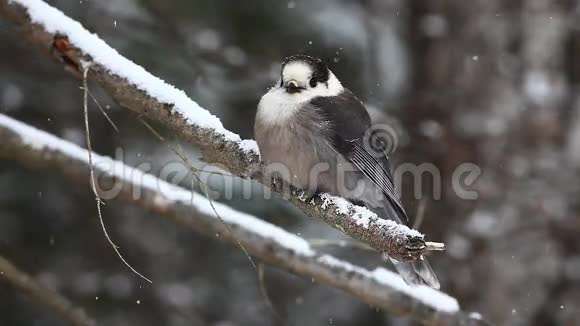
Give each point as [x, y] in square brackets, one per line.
[23, 282]
[271, 244]
[137, 90]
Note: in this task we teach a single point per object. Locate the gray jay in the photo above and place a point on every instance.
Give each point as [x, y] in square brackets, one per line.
[317, 134]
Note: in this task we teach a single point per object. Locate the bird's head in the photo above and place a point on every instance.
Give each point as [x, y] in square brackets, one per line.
[307, 76]
[302, 78]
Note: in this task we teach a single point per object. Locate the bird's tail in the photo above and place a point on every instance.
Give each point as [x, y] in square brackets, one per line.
[418, 272]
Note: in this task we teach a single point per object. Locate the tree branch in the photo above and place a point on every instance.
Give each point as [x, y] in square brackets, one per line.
[25, 283]
[137, 90]
[380, 287]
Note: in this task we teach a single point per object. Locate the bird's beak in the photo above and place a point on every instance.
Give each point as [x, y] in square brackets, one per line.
[292, 87]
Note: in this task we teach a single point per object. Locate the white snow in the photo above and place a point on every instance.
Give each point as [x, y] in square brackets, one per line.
[364, 217]
[38, 139]
[249, 146]
[483, 223]
[11, 97]
[54, 21]
[537, 86]
[475, 315]
[425, 294]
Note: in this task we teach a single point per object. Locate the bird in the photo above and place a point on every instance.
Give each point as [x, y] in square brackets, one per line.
[314, 133]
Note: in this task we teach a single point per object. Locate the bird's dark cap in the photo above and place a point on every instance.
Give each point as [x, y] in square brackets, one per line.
[320, 72]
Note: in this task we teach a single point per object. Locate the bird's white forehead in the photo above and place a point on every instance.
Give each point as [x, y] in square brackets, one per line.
[299, 71]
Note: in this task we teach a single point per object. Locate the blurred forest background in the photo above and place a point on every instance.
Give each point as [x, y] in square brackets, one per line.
[486, 81]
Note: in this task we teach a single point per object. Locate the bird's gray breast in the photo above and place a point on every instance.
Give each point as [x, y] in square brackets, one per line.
[297, 147]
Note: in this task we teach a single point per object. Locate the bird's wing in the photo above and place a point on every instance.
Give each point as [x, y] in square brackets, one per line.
[353, 122]
[377, 168]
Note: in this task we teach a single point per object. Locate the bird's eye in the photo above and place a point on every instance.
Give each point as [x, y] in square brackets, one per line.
[312, 82]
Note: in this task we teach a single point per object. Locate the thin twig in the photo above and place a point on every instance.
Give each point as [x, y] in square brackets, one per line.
[103, 111]
[93, 181]
[163, 140]
[181, 154]
[205, 190]
[264, 291]
[202, 184]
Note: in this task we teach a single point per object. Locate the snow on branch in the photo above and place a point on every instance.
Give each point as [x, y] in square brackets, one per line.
[11, 275]
[379, 287]
[137, 90]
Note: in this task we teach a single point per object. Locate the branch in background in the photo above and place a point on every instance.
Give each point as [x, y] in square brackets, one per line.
[18, 279]
[271, 244]
[139, 91]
